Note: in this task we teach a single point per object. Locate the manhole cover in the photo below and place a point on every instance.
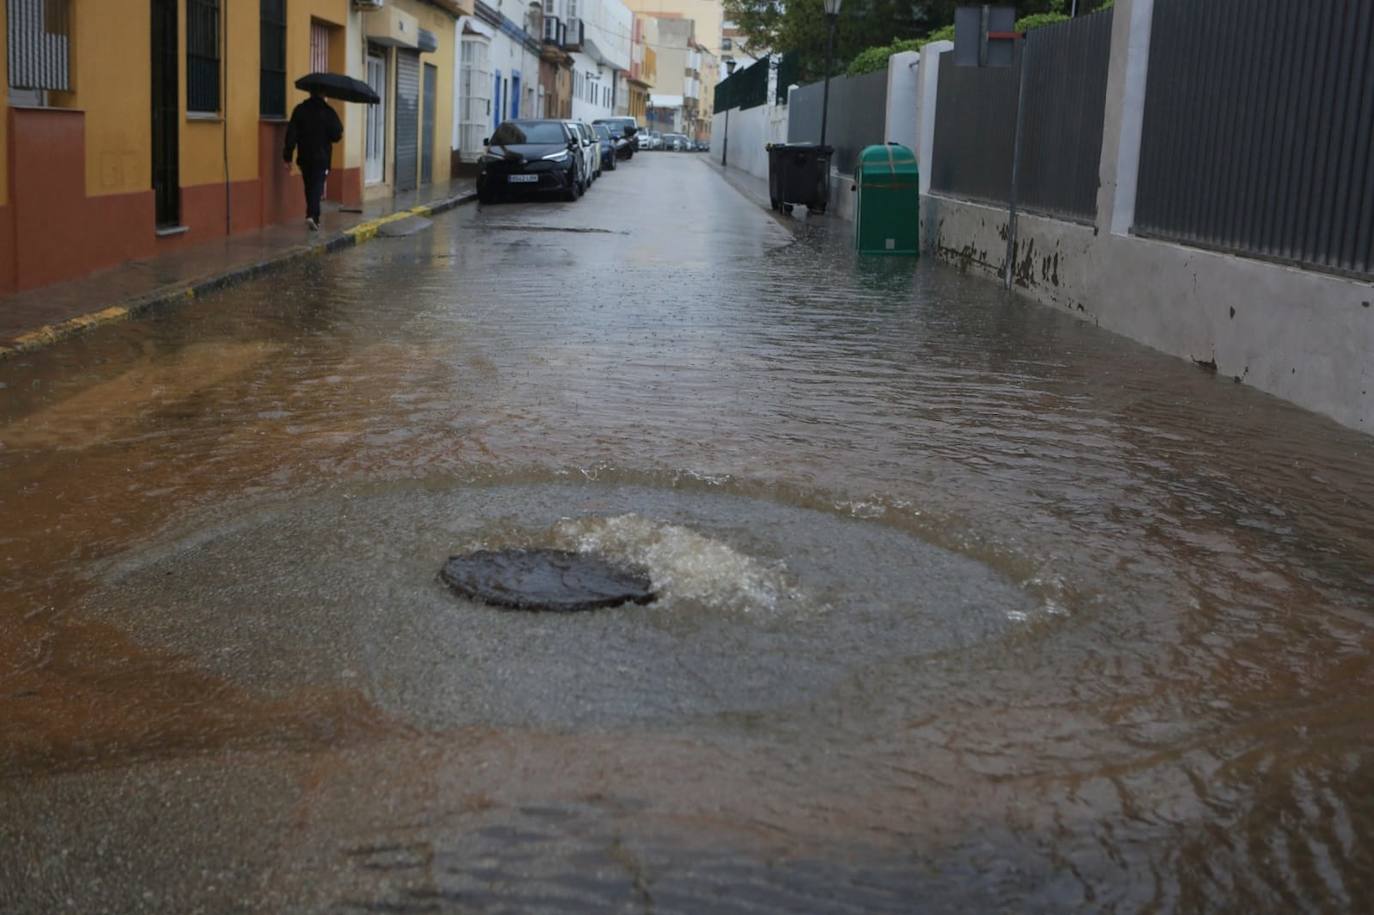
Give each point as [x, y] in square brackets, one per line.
[546, 580]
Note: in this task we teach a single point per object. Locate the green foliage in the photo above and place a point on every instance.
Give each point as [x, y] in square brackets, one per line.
[1035, 21]
[874, 59]
[800, 25]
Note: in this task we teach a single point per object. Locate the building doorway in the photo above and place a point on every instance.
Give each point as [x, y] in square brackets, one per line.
[374, 162]
[407, 119]
[166, 115]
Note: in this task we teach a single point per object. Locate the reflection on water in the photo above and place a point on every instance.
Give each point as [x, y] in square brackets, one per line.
[218, 546]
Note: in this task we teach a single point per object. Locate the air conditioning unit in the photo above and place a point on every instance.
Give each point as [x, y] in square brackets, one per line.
[368, 5]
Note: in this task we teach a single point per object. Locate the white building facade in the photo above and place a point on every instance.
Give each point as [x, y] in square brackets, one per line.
[496, 76]
[599, 37]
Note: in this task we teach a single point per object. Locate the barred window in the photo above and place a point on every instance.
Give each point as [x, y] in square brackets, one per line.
[202, 55]
[39, 44]
[272, 73]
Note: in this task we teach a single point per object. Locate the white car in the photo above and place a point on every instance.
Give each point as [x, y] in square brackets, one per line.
[591, 151]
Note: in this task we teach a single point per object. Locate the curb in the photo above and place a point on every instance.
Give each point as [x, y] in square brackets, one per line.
[351, 237]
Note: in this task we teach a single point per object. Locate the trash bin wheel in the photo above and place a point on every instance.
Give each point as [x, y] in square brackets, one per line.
[775, 203]
[787, 207]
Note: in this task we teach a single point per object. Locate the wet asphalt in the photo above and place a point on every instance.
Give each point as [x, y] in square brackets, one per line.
[964, 604]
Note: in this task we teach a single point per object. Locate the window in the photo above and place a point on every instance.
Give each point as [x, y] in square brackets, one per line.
[319, 47]
[39, 44]
[272, 72]
[726, 45]
[572, 9]
[202, 55]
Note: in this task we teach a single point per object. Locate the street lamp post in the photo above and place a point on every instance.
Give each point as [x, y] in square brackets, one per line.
[730, 64]
[832, 12]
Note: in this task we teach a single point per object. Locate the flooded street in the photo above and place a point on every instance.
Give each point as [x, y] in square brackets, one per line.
[966, 605]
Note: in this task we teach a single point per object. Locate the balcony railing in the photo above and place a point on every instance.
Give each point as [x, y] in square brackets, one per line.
[576, 35]
[554, 31]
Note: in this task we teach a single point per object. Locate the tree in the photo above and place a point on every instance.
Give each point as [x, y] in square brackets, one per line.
[799, 25]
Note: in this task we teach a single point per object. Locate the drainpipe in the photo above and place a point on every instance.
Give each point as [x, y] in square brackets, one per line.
[224, 120]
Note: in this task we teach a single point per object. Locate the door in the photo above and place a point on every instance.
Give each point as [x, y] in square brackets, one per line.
[166, 116]
[374, 161]
[427, 124]
[514, 96]
[407, 119]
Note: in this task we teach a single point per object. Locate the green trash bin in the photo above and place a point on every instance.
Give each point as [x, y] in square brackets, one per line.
[888, 216]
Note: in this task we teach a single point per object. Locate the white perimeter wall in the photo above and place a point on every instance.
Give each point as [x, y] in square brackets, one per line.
[750, 131]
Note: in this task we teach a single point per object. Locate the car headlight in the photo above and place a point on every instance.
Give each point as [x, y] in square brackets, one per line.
[560, 156]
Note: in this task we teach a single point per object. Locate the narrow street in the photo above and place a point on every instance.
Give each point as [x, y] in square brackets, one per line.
[966, 605]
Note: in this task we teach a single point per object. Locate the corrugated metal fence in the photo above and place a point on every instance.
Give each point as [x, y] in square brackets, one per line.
[39, 44]
[1061, 128]
[975, 130]
[1258, 123]
[1065, 70]
[858, 116]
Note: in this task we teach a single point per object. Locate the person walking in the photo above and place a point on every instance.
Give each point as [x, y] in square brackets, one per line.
[311, 136]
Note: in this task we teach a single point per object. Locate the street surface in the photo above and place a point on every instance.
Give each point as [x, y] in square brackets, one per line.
[968, 606]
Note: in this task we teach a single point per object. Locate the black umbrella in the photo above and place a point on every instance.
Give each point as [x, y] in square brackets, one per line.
[336, 85]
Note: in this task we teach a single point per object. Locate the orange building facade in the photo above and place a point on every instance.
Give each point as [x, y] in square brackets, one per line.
[134, 127]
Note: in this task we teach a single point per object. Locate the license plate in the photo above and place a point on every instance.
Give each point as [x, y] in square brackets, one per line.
[523, 179]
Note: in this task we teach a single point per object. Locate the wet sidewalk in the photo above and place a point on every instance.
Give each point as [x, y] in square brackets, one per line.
[37, 317]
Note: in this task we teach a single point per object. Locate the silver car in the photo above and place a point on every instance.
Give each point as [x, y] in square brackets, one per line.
[591, 151]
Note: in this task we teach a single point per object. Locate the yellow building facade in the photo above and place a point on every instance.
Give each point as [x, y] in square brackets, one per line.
[85, 182]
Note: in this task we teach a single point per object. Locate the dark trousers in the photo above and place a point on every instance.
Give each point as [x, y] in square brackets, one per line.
[314, 190]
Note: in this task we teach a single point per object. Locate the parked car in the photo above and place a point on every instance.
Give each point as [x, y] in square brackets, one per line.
[625, 130]
[645, 140]
[675, 142]
[655, 140]
[608, 145]
[591, 152]
[531, 155]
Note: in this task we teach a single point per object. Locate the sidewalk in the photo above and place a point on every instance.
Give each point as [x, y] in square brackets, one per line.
[36, 318]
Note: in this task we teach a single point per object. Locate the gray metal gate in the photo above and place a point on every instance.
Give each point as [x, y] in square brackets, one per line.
[407, 118]
[427, 124]
[1258, 125]
[858, 116]
[1061, 127]
[1065, 69]
[975, 130]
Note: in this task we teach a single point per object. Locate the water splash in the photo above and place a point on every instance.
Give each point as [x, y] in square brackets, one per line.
[684, 564]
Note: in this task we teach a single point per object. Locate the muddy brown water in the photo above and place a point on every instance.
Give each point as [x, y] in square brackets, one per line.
[966, 604]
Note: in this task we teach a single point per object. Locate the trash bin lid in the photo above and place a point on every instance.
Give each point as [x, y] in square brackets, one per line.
[889, 164]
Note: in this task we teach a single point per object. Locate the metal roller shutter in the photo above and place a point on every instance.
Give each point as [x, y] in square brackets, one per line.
[407, 119]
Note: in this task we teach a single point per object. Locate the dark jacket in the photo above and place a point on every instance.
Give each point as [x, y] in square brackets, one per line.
[314, 129]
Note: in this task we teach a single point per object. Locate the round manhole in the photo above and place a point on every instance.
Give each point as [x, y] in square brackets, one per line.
[554, 580]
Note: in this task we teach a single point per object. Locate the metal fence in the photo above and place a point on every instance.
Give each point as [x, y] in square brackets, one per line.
[1061, 126]
[1065, 69]
[747, 88]
[858, 116]
[975, 131]
[1258, 123]
[39, 44]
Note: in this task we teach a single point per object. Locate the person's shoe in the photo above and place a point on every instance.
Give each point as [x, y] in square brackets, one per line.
[312, 225]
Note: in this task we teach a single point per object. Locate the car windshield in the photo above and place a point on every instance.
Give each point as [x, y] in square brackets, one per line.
[602, 131]
[514, 133]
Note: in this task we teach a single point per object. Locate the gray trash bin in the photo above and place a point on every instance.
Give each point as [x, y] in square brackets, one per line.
[799, 173]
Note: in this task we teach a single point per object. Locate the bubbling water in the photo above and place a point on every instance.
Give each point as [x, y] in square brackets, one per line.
[683, 564]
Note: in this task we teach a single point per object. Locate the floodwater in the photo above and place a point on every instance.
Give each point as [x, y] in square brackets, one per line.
[967, 605]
